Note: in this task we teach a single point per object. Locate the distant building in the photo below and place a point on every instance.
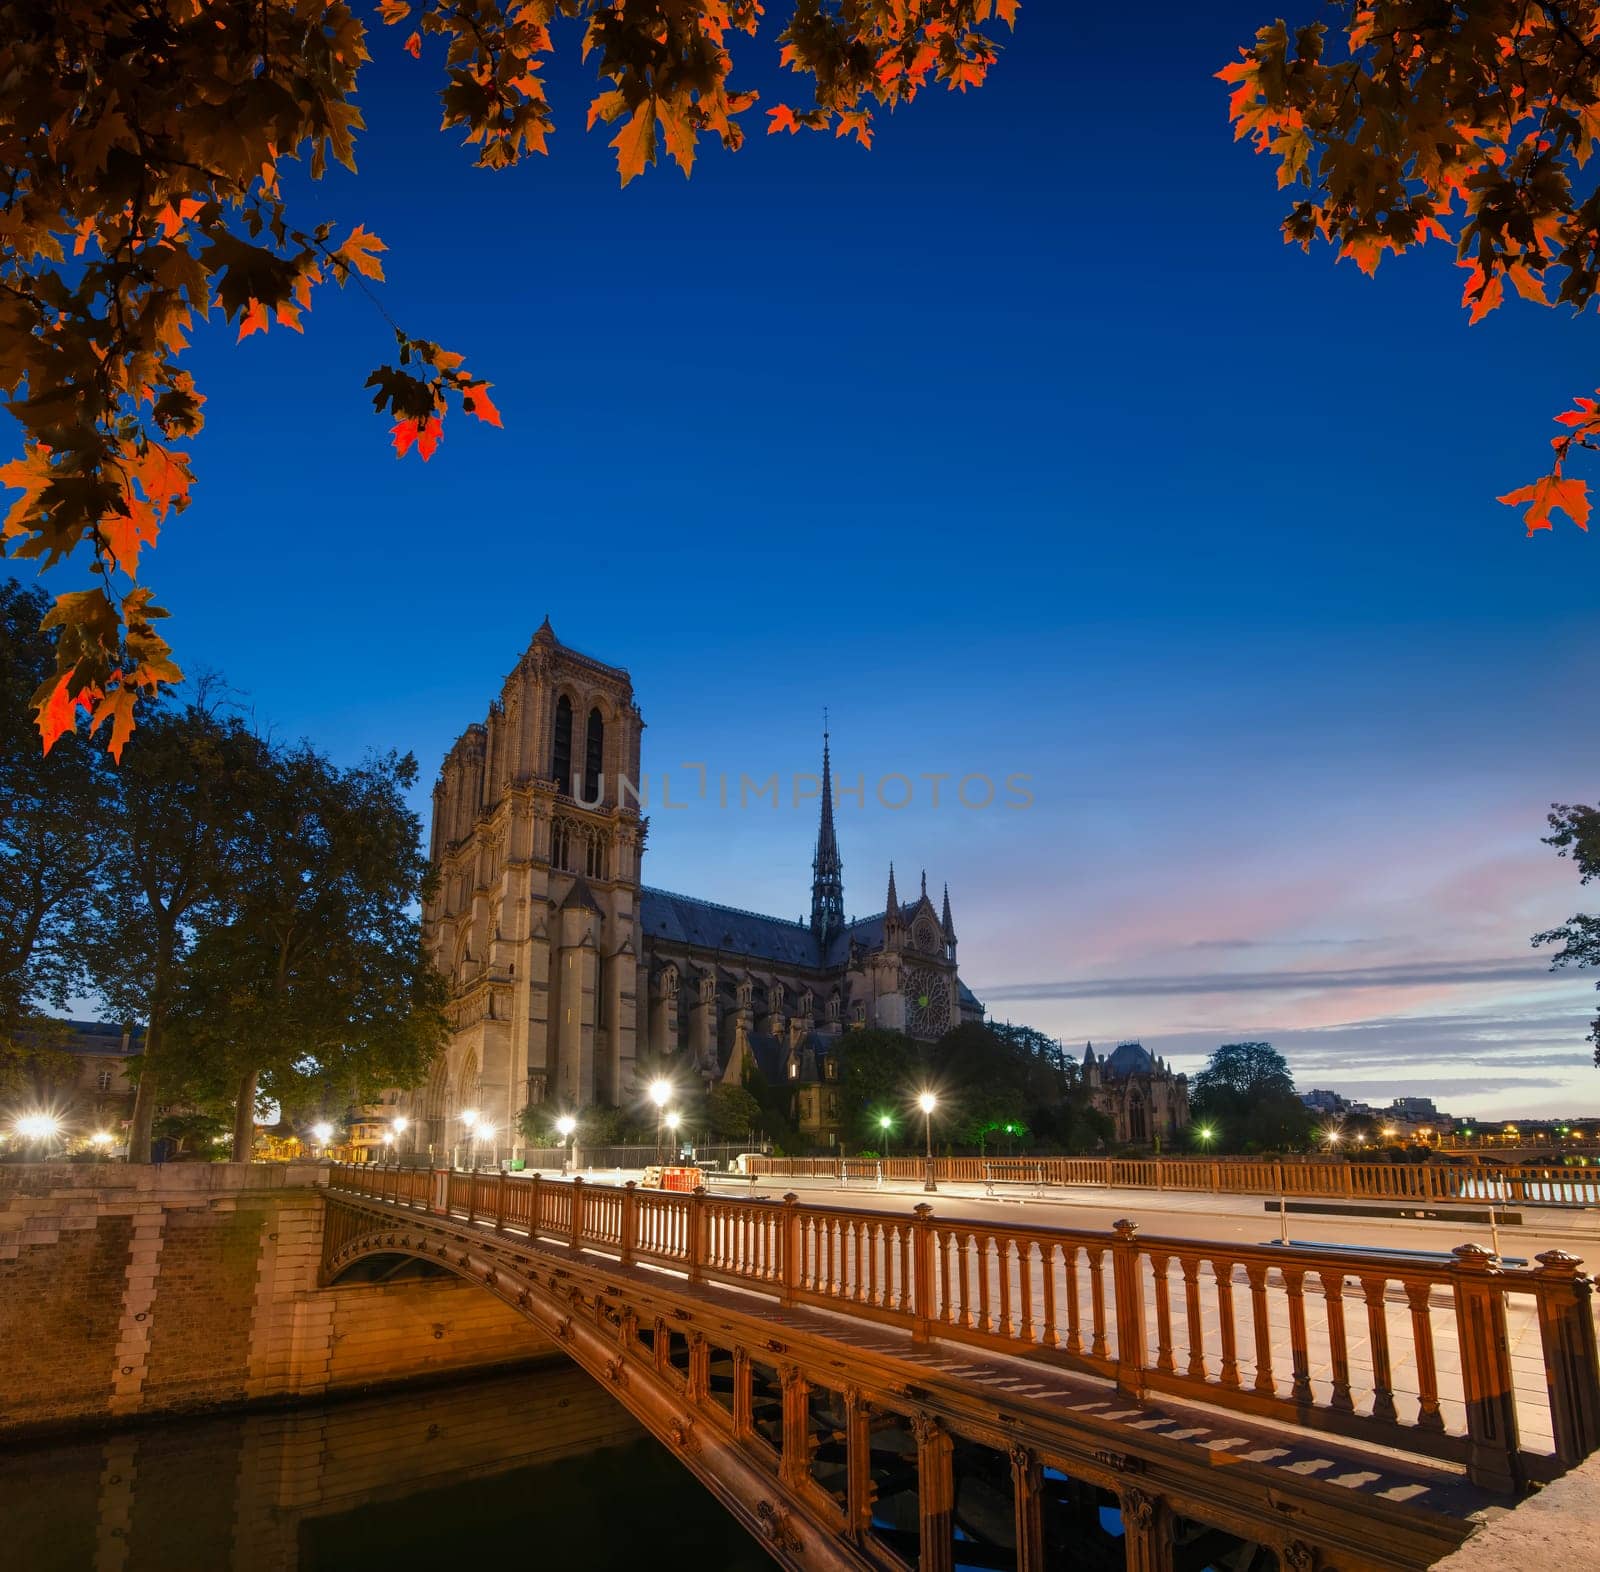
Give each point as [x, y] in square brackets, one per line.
[1325, 1102]
[1138, 1092]
[1415, 1110]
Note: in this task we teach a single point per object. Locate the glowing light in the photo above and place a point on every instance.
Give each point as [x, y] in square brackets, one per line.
[38, 1127]
[323, 1131]
[660, 1093]
[483, 1132]
[674, 1119]
[884, 1121]
[469, 1117]
[101, 1138]
[927, 1102]
[401, 1124]
[566, 1124]
[388, 1139]
[1206, 1133]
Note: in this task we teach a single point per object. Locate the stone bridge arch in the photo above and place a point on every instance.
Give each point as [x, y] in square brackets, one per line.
[604, 1335]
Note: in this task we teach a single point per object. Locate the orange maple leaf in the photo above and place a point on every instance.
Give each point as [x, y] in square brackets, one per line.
[476, 401]
[57, 710]
[636, 142]
[359, 252]
[413, 46]
[1549, 492]
[117, 707]
[782, 119]
[253, 320]
[426, 434]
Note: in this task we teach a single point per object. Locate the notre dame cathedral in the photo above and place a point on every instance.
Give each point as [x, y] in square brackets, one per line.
[566, 968]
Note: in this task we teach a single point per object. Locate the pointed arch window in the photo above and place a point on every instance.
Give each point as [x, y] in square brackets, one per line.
[594, 753]
[560, 844]
[595, 856]
[561, 752]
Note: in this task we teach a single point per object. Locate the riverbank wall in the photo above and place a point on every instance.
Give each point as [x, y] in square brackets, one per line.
[145, 1290]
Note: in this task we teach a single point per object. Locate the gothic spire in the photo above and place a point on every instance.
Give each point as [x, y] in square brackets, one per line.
[827, 867]
[949, 926]
[891, 908]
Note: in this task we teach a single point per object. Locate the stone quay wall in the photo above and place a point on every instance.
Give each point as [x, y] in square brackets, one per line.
[137, 1290]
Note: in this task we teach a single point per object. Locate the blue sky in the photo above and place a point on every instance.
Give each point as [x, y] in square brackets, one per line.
[1024, 444]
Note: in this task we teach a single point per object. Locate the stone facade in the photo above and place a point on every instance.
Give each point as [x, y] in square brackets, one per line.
[567, 969]
[1138, 1092]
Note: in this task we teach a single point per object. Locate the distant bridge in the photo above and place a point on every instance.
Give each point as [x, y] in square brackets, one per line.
[869, 1390]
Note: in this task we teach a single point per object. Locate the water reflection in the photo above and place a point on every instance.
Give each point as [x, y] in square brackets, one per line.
[541, 1463]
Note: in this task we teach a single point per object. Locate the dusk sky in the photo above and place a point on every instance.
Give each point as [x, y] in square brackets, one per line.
[1023, 444]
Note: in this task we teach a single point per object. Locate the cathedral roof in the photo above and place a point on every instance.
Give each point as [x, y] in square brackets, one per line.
[1129, 1059]
[704, 925]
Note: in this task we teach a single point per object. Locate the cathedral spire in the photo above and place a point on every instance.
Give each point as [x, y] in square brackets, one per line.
[827, 867]
[891, 907]
[949, 926]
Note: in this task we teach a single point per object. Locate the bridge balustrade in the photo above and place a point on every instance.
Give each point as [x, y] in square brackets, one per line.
[1521, 1184]
[1320, 1338]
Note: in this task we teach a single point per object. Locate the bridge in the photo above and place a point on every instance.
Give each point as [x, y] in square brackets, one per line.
[868, 1389]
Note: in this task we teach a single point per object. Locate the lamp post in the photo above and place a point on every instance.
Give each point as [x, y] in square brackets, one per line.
[469, 1117]
[102, 1141]
[565, 1126]
[322, 1133]
[886, 1124]
[482, 1133]
[927, 1102]
[399, 1124]
[673, 1120]
[660, 1094]
[1207, 1135]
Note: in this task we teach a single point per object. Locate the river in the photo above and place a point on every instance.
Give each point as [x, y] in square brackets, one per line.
[541, 1467]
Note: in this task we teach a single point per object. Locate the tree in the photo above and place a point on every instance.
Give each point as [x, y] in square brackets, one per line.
[315, 992]
[145, 144]
[732, 1113]
[50, 827]
[1494, 106]
[1575, 833]
[1247, 1092]
[171, 863]
[880, 1073]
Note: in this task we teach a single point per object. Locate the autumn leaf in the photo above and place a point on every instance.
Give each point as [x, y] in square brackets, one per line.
[636, 142]
[426, 434]
[55, 707]
[116, 706]
[476, 400]
[1546, 494]
[359, 252]
[253, 320]
[782, 119]
[413, 46]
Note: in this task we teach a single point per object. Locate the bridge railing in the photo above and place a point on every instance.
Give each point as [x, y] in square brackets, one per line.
[1547, 1184]
[1395, 1349]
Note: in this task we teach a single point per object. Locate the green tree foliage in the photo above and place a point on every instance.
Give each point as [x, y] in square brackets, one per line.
[172, 853]
[314, 992]
[732, 1113]
[880, 1072]
[1247, 1095]
[52, 808]
[1575, 833]
[36, 1070]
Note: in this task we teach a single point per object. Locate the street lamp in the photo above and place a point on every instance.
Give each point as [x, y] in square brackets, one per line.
[1207, 1136]
[399, 1124]
[927, 1102]
[660, 1095]
[322, 1133]
[102, 1141]
[469, 1118]
[673, 1120]
[886, 1124]
[565, 1126]
[480, 1134]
